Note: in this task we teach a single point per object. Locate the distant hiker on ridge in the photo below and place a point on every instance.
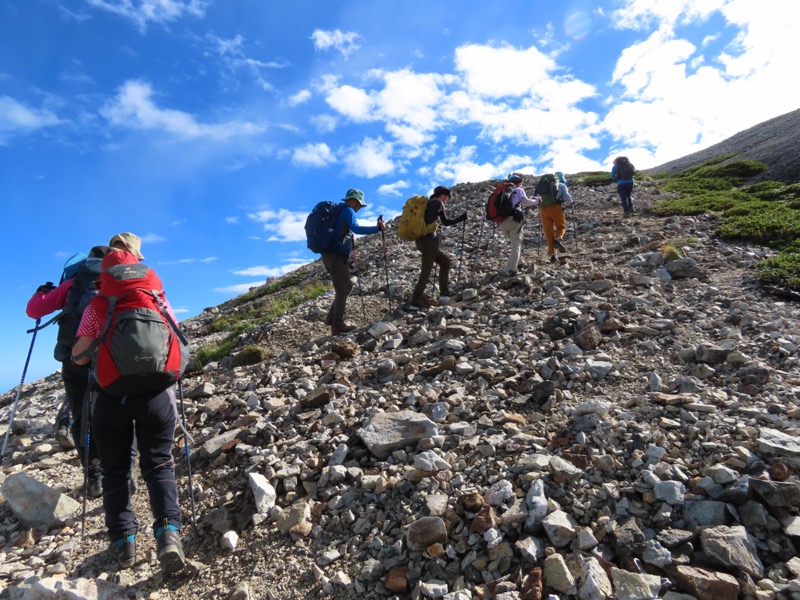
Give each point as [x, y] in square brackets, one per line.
[71, 297]
[428, 246]
[622, 173]
[328, 230]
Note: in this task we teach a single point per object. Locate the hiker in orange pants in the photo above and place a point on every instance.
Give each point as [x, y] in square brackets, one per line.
[554, 227]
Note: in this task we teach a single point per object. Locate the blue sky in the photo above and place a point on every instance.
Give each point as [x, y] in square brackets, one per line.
[211, 127]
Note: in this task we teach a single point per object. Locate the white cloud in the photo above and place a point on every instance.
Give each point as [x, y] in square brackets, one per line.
[188, 261]
[232, 220]
[299, 98]
[262, 271]
[282, 225]
[393, 189]
[324, 123]
[351, 102]
[370, 158]
[235, 59]
[313, 155]
[142, 12]
[15, 117]
[152, 238]
[504, 71]
[134, 108]
[239, 288]
[460, 167]
[344, 42]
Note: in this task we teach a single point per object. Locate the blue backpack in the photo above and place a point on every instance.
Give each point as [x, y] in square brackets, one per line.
[83, 269]
[322, 227]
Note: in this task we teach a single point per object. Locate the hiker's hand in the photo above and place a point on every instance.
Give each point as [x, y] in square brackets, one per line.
[45, 288]
[463, 217]
[381, 224]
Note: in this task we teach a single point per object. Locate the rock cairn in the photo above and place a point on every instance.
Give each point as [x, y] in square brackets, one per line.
[620, 425]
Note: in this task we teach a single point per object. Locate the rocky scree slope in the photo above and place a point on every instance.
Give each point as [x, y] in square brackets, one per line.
[617, 425]
[775, 143]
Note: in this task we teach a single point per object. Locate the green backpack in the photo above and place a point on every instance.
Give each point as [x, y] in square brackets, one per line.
[547, 189]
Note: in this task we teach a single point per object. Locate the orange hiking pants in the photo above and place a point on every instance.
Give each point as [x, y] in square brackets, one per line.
[553, 224]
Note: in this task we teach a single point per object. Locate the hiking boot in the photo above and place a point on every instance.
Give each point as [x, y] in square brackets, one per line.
[559, 245]
[522, 266]
[328, 320]
[340, 328]
[627, 214]
[423, 303]
[124, 550]
[553, 258]
[95, 487]
[446, 294]
[63, 437]
[170, 549]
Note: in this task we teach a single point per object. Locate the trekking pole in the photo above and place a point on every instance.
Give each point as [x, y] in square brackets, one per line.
[186, 438]
[358, 278]
[480, 237]
[574, 226]
[19, 390]
[385, 265]
[86, 430]
[461, 252]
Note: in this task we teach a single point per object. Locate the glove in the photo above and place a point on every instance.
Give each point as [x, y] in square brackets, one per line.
[45, 288]
[463, 217]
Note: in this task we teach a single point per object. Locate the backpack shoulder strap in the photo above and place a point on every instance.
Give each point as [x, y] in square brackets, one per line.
[181, 336]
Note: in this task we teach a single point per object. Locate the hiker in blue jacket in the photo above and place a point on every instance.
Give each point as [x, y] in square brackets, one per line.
[338, 266]
[622, 173]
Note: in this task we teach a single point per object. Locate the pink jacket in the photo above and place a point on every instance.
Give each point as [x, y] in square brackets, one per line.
[44, 303]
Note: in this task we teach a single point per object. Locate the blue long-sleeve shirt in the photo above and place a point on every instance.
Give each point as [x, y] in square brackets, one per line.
[348, 219]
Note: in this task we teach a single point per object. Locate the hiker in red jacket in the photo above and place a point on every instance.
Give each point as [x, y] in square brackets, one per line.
[119, 421]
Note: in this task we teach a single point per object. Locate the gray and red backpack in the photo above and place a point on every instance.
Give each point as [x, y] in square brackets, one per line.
[140, 349]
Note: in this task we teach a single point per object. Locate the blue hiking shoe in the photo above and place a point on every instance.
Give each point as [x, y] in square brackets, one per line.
[170, 549]
[124, 550]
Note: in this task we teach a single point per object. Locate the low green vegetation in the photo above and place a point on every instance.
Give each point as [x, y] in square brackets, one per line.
[289, 280]
[249, 355]
[766, 213]
[267, 303]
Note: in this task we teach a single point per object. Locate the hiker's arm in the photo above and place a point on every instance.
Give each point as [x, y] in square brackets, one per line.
[88, 330]
[44, 303]
[522, 199]
[563, 192]
[350, 219]
[82, 345]
[447, 221]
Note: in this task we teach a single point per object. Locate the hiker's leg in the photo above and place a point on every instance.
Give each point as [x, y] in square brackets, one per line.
[427, 248]
[112, 430]
[560, 222]
[513, 230]
[443, 261]
[628, 190]
[548, 224]
[76, 380]
[155, 432]
[337, 267]
[624, 190]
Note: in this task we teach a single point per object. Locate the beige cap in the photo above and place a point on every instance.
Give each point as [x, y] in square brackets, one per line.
[131, 241]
